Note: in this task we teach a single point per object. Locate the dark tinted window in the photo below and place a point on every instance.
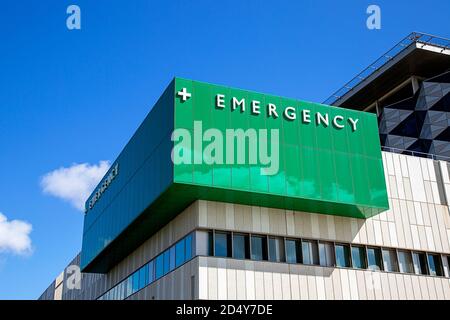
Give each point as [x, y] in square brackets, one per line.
[405, 262]
[420, 263]
[293, 251]
[135, 282]
[222, 245]
[188, 247]
[179, 253]
[159, 266]
[389, 260]
[342, 255]
[358, 257]
[310, 252]
[143, 276]
[210, 243]
[374, 258]
[166, 255]
[435, 265]
[326, 254]
[276, 249]
[151, 271]
[172, 258]
[241, 248]
[258, 248]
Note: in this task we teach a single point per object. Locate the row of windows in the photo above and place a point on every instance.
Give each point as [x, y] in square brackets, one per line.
[323, 253]
[165, 262]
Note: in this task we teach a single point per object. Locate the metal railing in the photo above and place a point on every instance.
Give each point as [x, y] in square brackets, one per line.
[414, 37]
[416, 153]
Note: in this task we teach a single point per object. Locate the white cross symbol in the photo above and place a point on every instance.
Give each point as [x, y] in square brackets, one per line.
[183, 94]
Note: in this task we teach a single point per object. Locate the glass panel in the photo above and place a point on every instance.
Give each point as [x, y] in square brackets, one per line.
[179, 253]
[172, 258]
[435, 265]
[135, 282]
[221, 245]
[358, 257]
[310, 252]
[121, 290]
[420, 263]
[374, 258]
[293, 251]
[405, 262]
[241, 248]
[159, 266]
[389, 260]
[326, 254]
[448, 266]
[258, 248]
[188, 242]
[166, 255]
[151, 272]
[342, 255]
[143, 276]
[276, 249]
[129, 286]
[210, 243]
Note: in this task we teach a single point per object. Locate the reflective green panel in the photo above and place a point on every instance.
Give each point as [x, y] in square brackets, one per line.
[327, 175]
[294, 154]
[310, 179]
[293, 174]
[345, 189]
[203, 121]
[307, 135]
[221, 172]
[323, 154]
[257, 119]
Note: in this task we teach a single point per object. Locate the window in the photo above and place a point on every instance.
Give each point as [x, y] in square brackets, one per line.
[135, 282]
[129, 286]
[420, 263]
[151, 272]
[276, 249]
[188, 242]
[143, 276]
[172, 258]
[389, 260]
[159, 267]
[405, 262]
[326, 254]
[358, 257]
[448, 266]
[342, 255]
[121, 290]
[374, 259]
[309, 252]
[241, 248]
[293, 251]
[179, 253]
[258, 248]
[166, 255]
[435, 265]
[222, 245]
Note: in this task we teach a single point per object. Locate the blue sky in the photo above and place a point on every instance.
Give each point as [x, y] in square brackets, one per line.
[76, 97]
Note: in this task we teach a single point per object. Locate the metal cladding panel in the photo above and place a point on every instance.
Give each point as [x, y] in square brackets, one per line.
[331, 166]
[145, 171]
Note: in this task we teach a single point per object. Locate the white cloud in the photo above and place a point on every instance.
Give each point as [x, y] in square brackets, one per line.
[75, 183]
[14, 236]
